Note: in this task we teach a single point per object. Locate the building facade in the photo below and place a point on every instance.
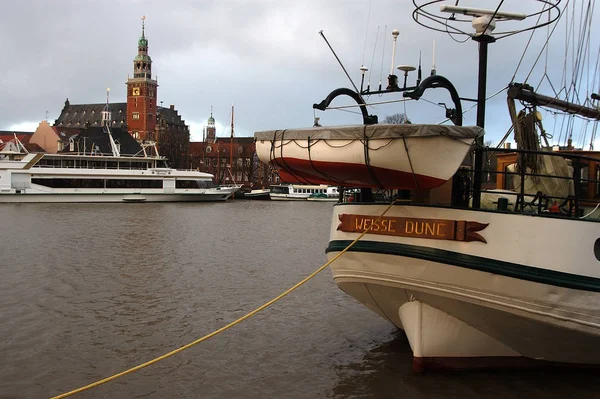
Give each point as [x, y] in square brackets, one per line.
[140, 116]
[232, 160]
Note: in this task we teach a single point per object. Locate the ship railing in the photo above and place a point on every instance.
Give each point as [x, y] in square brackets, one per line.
[581, 199]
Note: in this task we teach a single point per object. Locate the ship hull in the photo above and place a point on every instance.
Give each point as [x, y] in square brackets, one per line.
[479, 304]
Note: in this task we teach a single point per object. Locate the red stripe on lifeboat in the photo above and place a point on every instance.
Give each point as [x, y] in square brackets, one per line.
[293, 170]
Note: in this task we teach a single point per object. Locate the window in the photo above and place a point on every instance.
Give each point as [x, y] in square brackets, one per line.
[135, 115]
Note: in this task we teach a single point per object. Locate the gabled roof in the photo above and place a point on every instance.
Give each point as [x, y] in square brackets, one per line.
[170, 116]
[66, 132]
[96, 138]
[8, 136]
[78, 115]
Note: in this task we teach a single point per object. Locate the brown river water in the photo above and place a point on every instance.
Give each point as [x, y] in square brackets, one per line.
[89, 290]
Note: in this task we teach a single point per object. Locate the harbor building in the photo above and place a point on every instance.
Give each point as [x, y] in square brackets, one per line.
[230, 159]
[140, 116]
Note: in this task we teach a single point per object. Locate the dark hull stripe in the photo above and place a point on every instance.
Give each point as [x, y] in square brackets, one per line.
[508, 269]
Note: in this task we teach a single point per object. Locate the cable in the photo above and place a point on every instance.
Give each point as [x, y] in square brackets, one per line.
[228, 326]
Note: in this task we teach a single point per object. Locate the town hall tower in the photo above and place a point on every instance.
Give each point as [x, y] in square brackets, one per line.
[141, 95]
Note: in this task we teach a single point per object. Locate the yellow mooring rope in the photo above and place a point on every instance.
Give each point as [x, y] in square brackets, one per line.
[220, 330]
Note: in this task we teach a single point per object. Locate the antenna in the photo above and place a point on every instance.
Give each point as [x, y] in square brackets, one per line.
[395, 34]
[433, 71]
[393, 79]
[483, 20]
[338, 60]
[478, 12]
[419, 72]
[363, 69]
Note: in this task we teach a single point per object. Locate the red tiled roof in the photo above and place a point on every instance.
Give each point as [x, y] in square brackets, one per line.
[22, 136]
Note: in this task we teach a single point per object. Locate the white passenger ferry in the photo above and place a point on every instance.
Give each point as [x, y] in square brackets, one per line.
[300, 191]
[43, 177]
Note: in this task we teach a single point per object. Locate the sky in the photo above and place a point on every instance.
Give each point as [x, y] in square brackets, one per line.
[265, 58]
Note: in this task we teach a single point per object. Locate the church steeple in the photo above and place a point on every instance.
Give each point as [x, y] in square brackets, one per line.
[211, 130]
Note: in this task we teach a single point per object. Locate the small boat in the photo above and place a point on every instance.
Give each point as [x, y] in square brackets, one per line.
[295, 192]
[258, 194]
[332, 195]
[382, 155]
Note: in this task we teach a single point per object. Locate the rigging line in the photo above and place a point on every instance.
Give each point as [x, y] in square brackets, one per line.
[366, 33]
[580, 59]
[431, 102]
[587, 53]
[545, 44]
[382, 54]
[452, 37]
[474, 105]
[593, 136]
[405, 114]
[584, 129]
[563, 81]
[493, 15]
[594, 80]
[347, 110]
[528, 43]
[445, 24]
[371, 104]
[338, 60]
[373, 58]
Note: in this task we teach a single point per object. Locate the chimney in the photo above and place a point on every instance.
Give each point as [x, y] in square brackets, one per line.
[172, 107]
[507, 146]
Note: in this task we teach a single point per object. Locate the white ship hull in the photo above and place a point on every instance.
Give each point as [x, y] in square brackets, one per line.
[115, 197]
[78, 178]
[531, 293]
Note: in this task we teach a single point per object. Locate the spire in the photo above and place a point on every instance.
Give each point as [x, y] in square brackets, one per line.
[211, 120]
[142, 63]
[106, 115]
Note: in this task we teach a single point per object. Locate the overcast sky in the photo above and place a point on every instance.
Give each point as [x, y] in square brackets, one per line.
[264, 57]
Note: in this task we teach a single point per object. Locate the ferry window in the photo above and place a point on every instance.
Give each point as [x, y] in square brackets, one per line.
[187, 184]
[69, 183]
[133, 183]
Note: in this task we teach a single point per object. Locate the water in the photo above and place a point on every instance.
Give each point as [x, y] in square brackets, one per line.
[89, 290]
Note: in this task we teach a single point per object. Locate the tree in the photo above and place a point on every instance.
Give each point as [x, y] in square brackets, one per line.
[397, 119]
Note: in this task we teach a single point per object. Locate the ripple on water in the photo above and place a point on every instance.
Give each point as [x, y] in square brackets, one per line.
[89, 290]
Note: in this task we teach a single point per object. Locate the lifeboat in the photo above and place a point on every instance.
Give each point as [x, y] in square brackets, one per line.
[377, 156]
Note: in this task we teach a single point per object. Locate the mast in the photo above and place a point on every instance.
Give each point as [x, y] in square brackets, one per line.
[231, 148]
[106, 119]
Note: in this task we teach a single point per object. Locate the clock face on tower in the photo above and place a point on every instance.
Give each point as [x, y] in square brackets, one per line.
[136, 91]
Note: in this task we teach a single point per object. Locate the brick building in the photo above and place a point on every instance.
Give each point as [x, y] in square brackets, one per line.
[230, 159]
[140, 116]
